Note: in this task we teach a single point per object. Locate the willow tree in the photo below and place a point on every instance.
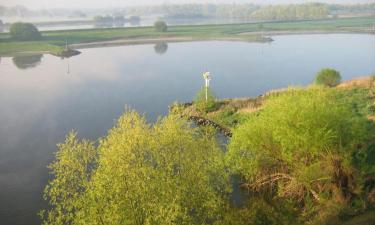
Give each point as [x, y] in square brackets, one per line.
[299, 152]
[167, 173]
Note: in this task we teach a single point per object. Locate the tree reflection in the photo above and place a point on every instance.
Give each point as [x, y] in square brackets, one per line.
[161, 48]
[27, 61]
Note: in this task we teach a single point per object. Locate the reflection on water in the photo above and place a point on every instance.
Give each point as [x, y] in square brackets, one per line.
[40, 106]
[27, 61]
[161, 48]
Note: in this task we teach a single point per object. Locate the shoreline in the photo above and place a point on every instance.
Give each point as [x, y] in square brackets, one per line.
[252, 104]
[241, 37]
[54, 42]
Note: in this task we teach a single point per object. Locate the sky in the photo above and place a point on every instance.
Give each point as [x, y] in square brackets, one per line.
[40, 4]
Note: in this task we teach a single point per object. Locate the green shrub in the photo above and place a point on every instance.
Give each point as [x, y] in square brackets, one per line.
[165, 173]
[161, 26]
[204, 105]
[300, 148]
[328, 77]
[24, 32]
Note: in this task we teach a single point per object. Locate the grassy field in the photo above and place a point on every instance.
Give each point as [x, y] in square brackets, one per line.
[53, 41]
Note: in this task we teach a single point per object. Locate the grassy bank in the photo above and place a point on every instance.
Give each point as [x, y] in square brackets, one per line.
[53, 41]
[229, 113]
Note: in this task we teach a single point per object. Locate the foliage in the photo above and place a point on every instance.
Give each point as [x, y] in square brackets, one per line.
[24, 32]
[202, 104]
[103, 19]
[72, 172]
[292, 12]
[168, 173]
[328, 77]
[160, 26]
[303, 149]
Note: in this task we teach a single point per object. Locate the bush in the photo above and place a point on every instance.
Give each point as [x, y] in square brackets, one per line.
[328, 77]
[24, 32]
[160, 26]
[165, 173]
[203, 105]
[300, 148]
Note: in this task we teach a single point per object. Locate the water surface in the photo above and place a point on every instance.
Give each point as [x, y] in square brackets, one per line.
[43, 97]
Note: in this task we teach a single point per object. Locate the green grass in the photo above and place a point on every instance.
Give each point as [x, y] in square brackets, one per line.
[53, 40]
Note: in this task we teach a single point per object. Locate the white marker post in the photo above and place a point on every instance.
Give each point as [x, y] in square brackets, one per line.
[207, 78]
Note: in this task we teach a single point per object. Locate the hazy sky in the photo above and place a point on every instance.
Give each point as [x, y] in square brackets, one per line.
[35, 4]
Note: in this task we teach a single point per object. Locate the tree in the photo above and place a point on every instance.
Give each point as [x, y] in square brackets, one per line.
[1, 23]
[72, 170]
[328, 77]
[167, 173]
[134, 20]
[299, 152]
[24, 32]
[161, 26]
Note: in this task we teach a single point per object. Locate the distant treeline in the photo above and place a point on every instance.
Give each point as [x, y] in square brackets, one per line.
[292, 12]
[188, 11]
[252, 11]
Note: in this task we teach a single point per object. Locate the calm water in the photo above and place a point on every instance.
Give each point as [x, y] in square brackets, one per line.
[44, 97]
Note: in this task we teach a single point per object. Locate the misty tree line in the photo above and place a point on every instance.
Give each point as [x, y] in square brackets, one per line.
[236, 11]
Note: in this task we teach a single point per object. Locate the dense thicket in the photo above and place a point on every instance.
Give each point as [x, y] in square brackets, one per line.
[302, 152]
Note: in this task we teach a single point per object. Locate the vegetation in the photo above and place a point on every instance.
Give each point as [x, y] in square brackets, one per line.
[251, 11]
[54, 41]
[303, 151]
[103, 19]
[205, 101]
[24, 32]
[292, 12]
[161, 26]
[134, 19]
[328, 77]
[167, 173]
[304, 156]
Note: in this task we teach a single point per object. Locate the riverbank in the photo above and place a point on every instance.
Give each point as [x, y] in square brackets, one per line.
[53, 42]
[228, 113]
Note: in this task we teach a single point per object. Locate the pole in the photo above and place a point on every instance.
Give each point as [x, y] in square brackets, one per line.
[206, 77]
